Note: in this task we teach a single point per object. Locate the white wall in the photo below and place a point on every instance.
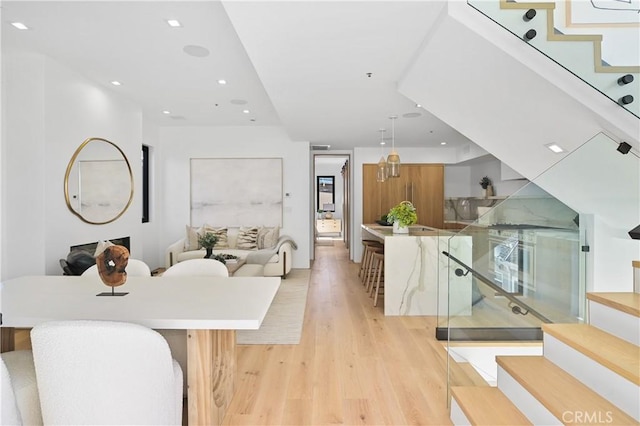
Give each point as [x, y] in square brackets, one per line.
[49, 111]
[179, 144]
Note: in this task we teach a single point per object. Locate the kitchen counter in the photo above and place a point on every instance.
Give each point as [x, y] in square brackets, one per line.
[417, 276]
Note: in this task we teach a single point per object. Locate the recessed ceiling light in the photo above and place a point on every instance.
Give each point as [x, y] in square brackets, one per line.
[418, 106]
[443, 143]
[174, 23]
[20, 25]
[555, 148]
[222, 82]
[166, 112]
[383, 143]
[116, 83]
[246, 111]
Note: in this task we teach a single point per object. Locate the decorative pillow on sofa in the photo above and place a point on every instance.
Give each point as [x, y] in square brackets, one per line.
[221, 233]
[247, 238]
[268, 237]
[191, 240]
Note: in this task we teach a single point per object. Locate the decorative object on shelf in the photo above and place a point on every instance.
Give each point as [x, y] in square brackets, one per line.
[486, 184]
[393, 160]
[382, 171]
[208, 241]
[112, 261]
[226, 258]
[402, 215]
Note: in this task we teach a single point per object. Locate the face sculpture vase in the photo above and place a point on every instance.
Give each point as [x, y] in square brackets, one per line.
[111, 267]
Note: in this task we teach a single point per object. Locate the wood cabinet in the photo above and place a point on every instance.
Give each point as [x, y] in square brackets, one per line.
[328, 225]
[422, 184]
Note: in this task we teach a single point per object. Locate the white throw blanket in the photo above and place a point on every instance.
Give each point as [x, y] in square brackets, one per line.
[262, 256]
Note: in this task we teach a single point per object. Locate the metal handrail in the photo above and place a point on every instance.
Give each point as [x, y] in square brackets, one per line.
[520, 304]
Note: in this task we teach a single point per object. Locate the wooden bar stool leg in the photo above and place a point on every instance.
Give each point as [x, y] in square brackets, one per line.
[376, 256]
[378, 280]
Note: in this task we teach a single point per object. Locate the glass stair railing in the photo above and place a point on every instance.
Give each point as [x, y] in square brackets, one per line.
[598, 41]
[530, 259]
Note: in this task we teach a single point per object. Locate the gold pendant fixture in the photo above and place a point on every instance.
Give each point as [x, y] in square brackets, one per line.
[382, 171]
[393, 160]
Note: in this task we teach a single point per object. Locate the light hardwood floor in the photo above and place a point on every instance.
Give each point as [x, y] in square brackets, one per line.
[352, 366]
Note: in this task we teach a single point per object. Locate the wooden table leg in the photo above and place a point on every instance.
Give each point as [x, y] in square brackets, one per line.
[7, 339]
[211, 365]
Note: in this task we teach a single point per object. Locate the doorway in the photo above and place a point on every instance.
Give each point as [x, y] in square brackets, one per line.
[331, 200]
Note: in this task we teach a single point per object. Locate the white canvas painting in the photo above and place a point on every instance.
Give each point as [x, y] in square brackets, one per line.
[104, 189]
[236, 191]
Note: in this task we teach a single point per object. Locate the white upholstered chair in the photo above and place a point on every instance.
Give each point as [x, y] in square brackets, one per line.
[105, 372]
[135, 268]
[20, 402]
[177, 339]
[198, 267]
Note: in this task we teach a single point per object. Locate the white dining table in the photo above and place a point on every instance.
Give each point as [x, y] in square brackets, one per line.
[211, 309]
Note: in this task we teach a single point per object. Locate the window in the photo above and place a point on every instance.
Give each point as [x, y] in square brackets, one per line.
[326, 193]
[145, 183]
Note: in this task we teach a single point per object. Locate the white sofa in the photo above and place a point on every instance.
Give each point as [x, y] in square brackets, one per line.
[277, 265]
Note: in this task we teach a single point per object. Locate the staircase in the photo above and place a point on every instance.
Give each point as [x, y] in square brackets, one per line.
[541, 25]
[589, 373]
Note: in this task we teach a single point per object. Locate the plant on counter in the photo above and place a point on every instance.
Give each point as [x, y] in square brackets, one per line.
[208, 240]
[404, 213]
[485, 182]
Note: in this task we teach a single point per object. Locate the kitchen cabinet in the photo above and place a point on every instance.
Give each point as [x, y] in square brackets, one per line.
[422, 184]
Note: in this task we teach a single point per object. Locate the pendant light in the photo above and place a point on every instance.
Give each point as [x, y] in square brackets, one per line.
[393, 160]
[381, 173]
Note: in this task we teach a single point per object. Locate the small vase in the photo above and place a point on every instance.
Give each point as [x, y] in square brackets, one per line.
[209, 252]
[488, 192]
[397, 229]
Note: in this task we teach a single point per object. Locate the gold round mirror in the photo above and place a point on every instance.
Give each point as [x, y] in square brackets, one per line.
[98, 183]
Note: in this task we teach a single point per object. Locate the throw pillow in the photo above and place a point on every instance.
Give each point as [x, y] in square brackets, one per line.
[247, 238]
[191, 240]
[268, 237]
[221, 233]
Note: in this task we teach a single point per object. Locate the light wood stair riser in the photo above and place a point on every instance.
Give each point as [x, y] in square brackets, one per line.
[614, 321]
[546, 394]
[614, 383]
[483, 406]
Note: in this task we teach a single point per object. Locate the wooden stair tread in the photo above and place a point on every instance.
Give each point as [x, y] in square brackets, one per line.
[608, 350]
[487, 406]
[627, 302]
[557, 390]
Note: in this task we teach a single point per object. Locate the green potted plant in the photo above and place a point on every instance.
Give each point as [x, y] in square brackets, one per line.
[208, 241]
[402, 215]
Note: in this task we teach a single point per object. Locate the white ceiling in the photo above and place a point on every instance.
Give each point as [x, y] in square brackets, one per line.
[299, 64]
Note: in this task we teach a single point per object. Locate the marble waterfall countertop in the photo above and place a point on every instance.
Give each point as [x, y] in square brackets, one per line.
[419, 279]
[382, 232]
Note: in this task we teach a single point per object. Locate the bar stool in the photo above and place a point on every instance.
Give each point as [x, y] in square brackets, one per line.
[366, 256]
[378, 260]
[370, 272]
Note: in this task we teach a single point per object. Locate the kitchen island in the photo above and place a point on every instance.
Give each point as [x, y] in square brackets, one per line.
[417, 276]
